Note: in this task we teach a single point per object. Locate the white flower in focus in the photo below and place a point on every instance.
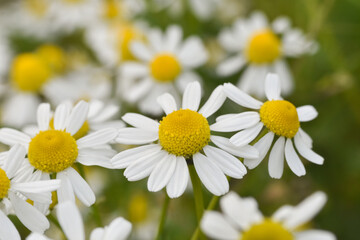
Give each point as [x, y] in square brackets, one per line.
[16, 186]
[55, 150]
[72, 224]
[183, 134]
[166, 65]
[279, 117]
[261, 48]
[243, 220]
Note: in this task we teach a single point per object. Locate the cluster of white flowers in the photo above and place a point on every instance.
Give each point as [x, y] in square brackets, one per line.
[154, 72]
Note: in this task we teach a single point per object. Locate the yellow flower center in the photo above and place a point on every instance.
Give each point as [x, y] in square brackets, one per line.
[73, 1]
[184, 132]
[4, 184]
[52, 151]
[80, 133]
[267, 230]
[165, 67]
[29, 72]
[138, 208]
[36, 7]
[280, 117]
[126, 34]
[111, 9]
[264, 47]
[53, 56]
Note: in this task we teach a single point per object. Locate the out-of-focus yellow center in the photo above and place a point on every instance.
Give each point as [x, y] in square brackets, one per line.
[73, 1]
[263, 47]
[36, 7]
[126, 34]
[184, 132]
[165, 67]
[54, 56]
[79, 134]
[111, 9]
[138, 208]
[267, 230]
[29, 72]
[52, 151]
[280, 117]
[4, 184]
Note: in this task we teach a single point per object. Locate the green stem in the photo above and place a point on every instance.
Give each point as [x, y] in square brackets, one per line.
[211, 206]
[163, 217]
[54, 221]
[198, 196]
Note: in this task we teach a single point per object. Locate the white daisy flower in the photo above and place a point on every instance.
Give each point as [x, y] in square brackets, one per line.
[258, 45]
[16, 186]
[55, 150]
[72, 224]
[279, 117]
[166, 66]
[243, 220]
[183, 134]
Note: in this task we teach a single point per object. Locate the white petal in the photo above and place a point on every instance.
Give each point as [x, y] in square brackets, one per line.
[192, 96]
[167, 103]
[95, 157]
[7, 228]
[293, 159]
[315, 235]
[246, 136]
[140, 121]
[133, 70]
[178, 182]
[39, 198]
[36, 186]
[229, 164]
[252, 80]
[215, 101]
[231, 65]
[262, 146]
[173, 38]
[119, 229]
[32, 218]
[216, 226]
[282, 213]
[11, 137]
[306, 113]
[97, 234]
[210, 175]
[65, 192]
[36, 236]
[141, 51]
[136, 136]
[276, 159]
[77, 117]
[236, 122]
[138, 90]
[192, 53]
[81, 187]
[142, 167]
[61, 116]
[70, 220]
[225, 116]
[306, 210]
[107, 113]
[272, 87]
[246, 151]
[15, 158]
[306, 151]
[306, 138]
[162, 173]
[126, 157]
[285, 76]
[98, 138]
[240, 97]
[43, 116]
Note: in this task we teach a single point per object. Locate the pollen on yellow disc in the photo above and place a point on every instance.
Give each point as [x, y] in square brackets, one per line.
[126, 34]
[36, 7]
[52, 151]
[263, 47]
[54, 56]
[4, 184]
[165, 67]
[184, 132]
[29, 72]
[280, 117]
[138, 208]
[80, 133]
[267, 230]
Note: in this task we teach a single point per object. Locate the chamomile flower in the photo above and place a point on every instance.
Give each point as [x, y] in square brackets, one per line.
[279, 117]
[72, 224]
[16, 186]
[55, 150]
[257, 45]
[166, 65]
[243, 220]
[183, 134]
